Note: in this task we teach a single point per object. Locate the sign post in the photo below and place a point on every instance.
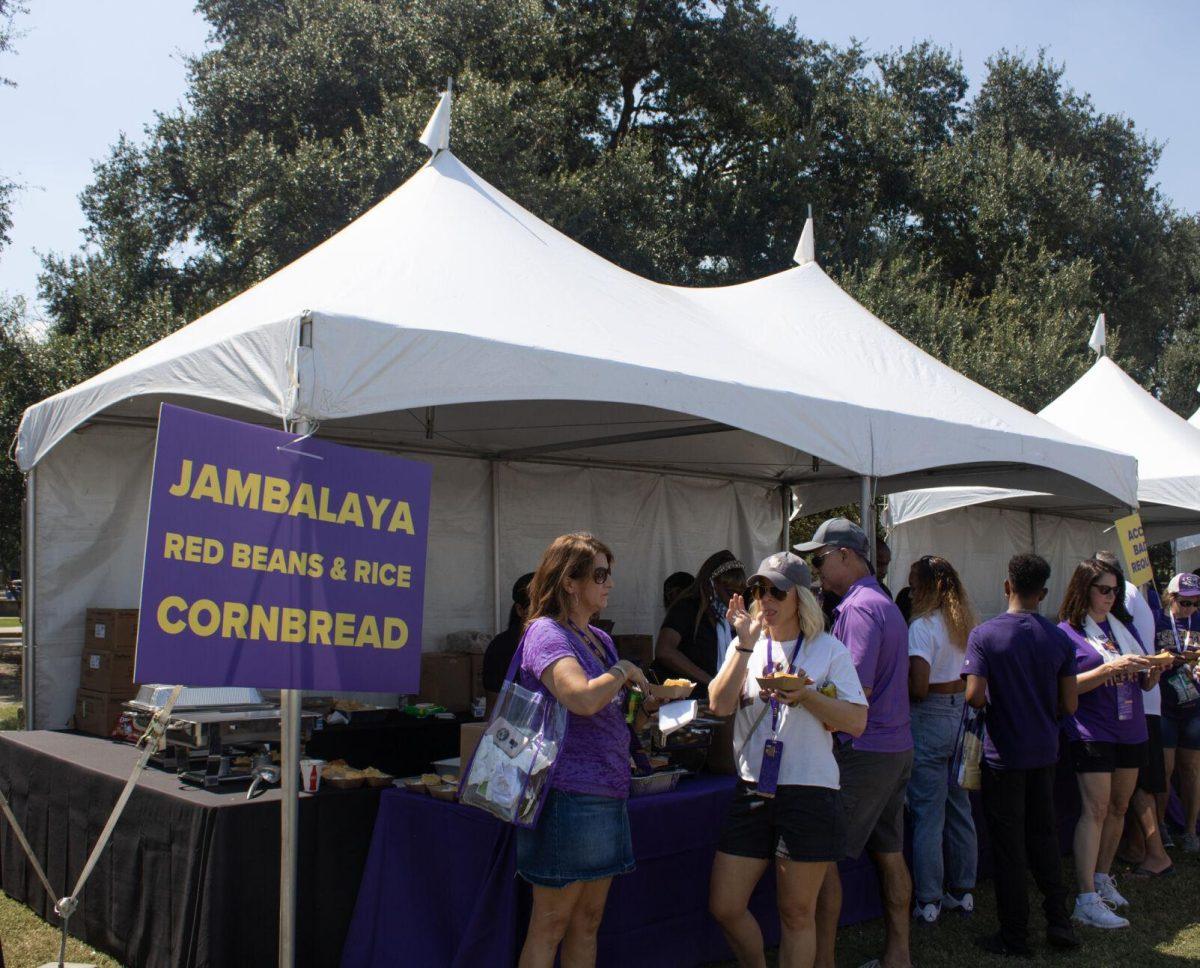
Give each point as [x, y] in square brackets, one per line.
[285, 562]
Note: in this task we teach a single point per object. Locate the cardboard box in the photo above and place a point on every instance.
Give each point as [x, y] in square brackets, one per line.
[446, 680]
[102, 671]
[111, 630]
[638, 649]
[96, 713]
[469, 735]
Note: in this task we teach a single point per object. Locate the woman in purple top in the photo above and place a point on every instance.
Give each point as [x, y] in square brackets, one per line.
[582, 836]
[1107, 732]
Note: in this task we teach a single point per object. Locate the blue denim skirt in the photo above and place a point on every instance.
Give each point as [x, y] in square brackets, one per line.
[578, 837]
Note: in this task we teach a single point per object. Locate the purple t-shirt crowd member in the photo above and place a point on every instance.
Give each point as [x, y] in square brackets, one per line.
[870, 625]
[1096, 719]
[1022, 655]
[594, 758]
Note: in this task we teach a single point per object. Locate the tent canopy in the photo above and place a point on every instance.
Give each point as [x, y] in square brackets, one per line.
[449, 319]
[1106, 406]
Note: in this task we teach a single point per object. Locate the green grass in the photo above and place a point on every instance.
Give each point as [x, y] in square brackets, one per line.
[10, 715]
[1164, 930]
[9, 621]
[29, 941]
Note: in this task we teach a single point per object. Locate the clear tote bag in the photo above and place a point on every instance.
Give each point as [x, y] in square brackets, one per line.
[965, 766]
[509, 773]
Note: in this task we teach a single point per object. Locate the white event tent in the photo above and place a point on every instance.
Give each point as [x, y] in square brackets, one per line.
[978, 529]
[551, 391]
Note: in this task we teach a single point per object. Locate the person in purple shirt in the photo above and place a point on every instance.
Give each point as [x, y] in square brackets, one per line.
[1021, 670]
[875, 767]
[1107, 733]
[582, 838]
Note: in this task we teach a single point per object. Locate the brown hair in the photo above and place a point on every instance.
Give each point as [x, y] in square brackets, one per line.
[938, 588]
[701, 587]
[569, 556]
[1075, 601]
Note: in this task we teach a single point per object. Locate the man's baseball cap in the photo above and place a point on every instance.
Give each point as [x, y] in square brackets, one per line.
[784, 570]
[1185, 585]
[836, 533]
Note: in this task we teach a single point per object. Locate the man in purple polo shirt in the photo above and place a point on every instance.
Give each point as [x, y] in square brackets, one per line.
[876, 767]
[1021, 668]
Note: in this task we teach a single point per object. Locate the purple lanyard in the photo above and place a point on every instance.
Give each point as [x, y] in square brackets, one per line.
[771, 667]
[586, 643]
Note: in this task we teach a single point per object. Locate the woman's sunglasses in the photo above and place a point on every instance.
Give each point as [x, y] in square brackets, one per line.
[759, 591]
[1187, 603]
[1105, 590]
[601, 575]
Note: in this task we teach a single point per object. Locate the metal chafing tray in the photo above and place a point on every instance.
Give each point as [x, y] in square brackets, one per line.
[206, 721]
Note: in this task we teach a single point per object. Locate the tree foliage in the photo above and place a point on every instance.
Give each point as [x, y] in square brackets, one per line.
[682, 139]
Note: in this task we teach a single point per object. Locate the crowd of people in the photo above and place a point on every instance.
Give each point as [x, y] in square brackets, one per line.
[864, 719]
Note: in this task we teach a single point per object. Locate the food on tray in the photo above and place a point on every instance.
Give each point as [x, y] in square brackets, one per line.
[445, 791]
[658, 762]
[450, 778]
[430, 779]
[783, 681]
[351, 706]
[672, 689]
[414, 784]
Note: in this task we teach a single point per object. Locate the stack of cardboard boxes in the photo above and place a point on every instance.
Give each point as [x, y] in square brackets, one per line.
[106, 669]
[452, 679]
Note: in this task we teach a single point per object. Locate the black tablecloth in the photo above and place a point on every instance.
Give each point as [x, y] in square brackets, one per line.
[190, 877]
[403, 747]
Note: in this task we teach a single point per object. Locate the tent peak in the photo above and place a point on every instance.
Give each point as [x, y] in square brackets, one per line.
[806, 250]
[1097, 340]
[436, 136]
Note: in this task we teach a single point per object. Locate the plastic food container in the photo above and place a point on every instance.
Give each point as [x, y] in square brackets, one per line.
[664, 782]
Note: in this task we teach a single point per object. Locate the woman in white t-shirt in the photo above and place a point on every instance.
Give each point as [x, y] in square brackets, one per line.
[795, 822]
[941, 811]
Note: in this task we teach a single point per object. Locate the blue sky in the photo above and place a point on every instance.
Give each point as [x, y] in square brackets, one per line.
[90, 69]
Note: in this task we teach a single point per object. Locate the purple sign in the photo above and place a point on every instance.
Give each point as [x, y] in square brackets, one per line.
[280, 563]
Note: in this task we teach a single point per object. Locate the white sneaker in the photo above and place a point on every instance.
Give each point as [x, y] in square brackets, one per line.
[1091, 910]
[927, 913]
[1191, 843]
[1106, 887]
[964, 904]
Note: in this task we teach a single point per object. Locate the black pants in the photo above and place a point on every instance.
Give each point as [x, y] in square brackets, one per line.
[1019, 806]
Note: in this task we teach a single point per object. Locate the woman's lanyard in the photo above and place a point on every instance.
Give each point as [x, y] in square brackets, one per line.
[599, 652]
[1179, 647]
[771, 668]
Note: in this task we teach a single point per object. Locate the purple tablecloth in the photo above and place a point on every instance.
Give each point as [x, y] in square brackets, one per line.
[440, 886]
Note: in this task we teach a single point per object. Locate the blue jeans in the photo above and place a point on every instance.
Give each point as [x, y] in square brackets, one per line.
[940, 810]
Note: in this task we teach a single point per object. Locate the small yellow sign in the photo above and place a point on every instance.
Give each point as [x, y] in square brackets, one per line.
[1135, 550]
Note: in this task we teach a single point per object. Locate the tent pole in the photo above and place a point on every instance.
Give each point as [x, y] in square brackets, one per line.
[868, 515]
[497, 604]
[785, 506]
[28, 617]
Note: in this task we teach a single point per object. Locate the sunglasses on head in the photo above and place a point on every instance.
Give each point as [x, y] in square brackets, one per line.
[1105, 589]
[601, 575]
[762, 589]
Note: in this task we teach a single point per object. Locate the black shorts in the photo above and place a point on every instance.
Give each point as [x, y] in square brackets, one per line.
[801, 823]
[1152, 777]
[1088, 757]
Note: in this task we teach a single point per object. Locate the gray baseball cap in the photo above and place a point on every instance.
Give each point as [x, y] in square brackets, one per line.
[784, 570]
[836, 533]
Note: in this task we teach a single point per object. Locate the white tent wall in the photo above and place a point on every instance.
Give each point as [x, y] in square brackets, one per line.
[93, 492]
[654, 524]
[959, 535]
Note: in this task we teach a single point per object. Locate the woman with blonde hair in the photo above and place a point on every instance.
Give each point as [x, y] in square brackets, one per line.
[581, 840]
[787, 810]
[944, 847]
